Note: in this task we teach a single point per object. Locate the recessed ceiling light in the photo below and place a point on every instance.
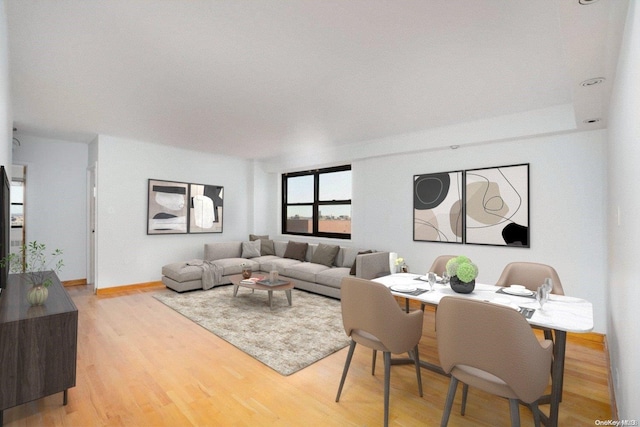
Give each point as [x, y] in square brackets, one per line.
[454, 147]
[589, 121]
[591, 82]
[586, 2]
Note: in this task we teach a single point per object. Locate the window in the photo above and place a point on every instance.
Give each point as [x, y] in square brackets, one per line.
[317, 202]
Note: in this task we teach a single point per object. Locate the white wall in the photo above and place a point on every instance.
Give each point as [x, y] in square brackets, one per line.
[55, 205]
[6, 119]
[126, 254]
[567, 199]
[623, 289]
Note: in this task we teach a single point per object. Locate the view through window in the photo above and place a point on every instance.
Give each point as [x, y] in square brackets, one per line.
[317, 202]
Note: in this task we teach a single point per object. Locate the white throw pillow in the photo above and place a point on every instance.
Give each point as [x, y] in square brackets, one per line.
[251, 249]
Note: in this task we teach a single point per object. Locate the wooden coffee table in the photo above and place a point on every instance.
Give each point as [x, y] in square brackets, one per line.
[282, 285]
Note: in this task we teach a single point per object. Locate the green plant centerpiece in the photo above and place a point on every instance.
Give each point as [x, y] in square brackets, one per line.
[463, 274]
[34, 260]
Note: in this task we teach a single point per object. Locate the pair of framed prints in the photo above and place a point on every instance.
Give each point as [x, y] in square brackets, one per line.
[180, 208]
[488, 206]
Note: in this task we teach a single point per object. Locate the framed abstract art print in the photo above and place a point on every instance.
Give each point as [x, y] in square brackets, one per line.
[438, 207]
[497, 206]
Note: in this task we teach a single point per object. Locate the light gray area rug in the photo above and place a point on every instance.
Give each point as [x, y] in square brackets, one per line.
[286, 338]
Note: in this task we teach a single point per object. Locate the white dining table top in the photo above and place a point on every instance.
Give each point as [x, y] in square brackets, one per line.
[560, 312]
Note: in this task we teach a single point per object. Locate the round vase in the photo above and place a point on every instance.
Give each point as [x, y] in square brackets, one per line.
[246, 272]
[461, 287]
[37, 295]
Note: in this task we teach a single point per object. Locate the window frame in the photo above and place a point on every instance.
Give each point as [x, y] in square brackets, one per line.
[315, 205]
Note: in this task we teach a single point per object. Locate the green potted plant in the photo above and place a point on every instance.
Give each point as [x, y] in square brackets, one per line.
[34, 260]
[462, 273]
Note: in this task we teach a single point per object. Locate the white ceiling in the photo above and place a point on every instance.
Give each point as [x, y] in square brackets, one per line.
[261, 78]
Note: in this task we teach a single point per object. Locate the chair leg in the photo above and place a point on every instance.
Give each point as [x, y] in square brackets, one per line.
[536, 413]
[387, 375]
[465, 391]
[514, 410]
[352, 347]
[416, 358]
[373, 362]
[451, 394]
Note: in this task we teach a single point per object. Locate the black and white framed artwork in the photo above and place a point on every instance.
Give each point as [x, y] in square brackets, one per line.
[167, 207]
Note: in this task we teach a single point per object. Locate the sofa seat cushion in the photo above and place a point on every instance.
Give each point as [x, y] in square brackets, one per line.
[234, 265]
[278, 264]
[305, 271]
[182, 272]
[332, 276]
[265, 261]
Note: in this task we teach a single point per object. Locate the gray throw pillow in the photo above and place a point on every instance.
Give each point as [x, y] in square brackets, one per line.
[251, 249]
[325, 254]
[296, 250]
[267, 247]
[253, 237]
[353, 267]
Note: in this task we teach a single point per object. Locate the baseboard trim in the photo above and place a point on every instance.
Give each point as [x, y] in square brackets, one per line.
[132, 287]
[589, 336]
[76, 282]
[612, 391]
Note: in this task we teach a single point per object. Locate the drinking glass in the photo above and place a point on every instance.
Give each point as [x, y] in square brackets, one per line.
[431, 277]
[445, 277]
[548, 284]
[542, 295]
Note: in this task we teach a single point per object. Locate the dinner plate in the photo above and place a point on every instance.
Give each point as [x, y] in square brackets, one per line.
[403, 288]
[504, 301]
[510, 291]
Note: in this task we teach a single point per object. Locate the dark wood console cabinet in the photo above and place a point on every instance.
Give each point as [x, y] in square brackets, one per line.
[38, 345]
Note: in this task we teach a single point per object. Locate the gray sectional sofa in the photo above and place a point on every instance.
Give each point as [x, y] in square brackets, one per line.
[317, 268]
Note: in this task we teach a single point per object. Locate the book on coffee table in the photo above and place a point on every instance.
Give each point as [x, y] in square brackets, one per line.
[251, 280]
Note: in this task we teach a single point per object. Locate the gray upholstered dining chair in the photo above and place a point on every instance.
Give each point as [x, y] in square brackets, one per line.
[531, 275]
[438, 266]
[493, 348]
[371, 317]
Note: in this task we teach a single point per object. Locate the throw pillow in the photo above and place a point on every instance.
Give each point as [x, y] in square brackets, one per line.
[296, 250]
[353, 267]
[325, 254]
[251, 249]
[253, 237]
[267, 247]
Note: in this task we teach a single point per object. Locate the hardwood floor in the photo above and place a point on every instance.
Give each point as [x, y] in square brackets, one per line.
[142, 364]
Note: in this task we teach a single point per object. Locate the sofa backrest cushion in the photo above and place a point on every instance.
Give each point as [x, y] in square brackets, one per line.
[353, 267]
[221, 250]
[325, 254]
[280, 247]
[296, 250]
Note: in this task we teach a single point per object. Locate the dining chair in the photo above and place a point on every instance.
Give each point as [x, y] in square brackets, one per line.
[493, 348]
[531, 275]
[371, 317]
[438, 266]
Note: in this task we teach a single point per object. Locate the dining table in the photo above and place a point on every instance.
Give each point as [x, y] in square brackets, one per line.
[560, 314]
